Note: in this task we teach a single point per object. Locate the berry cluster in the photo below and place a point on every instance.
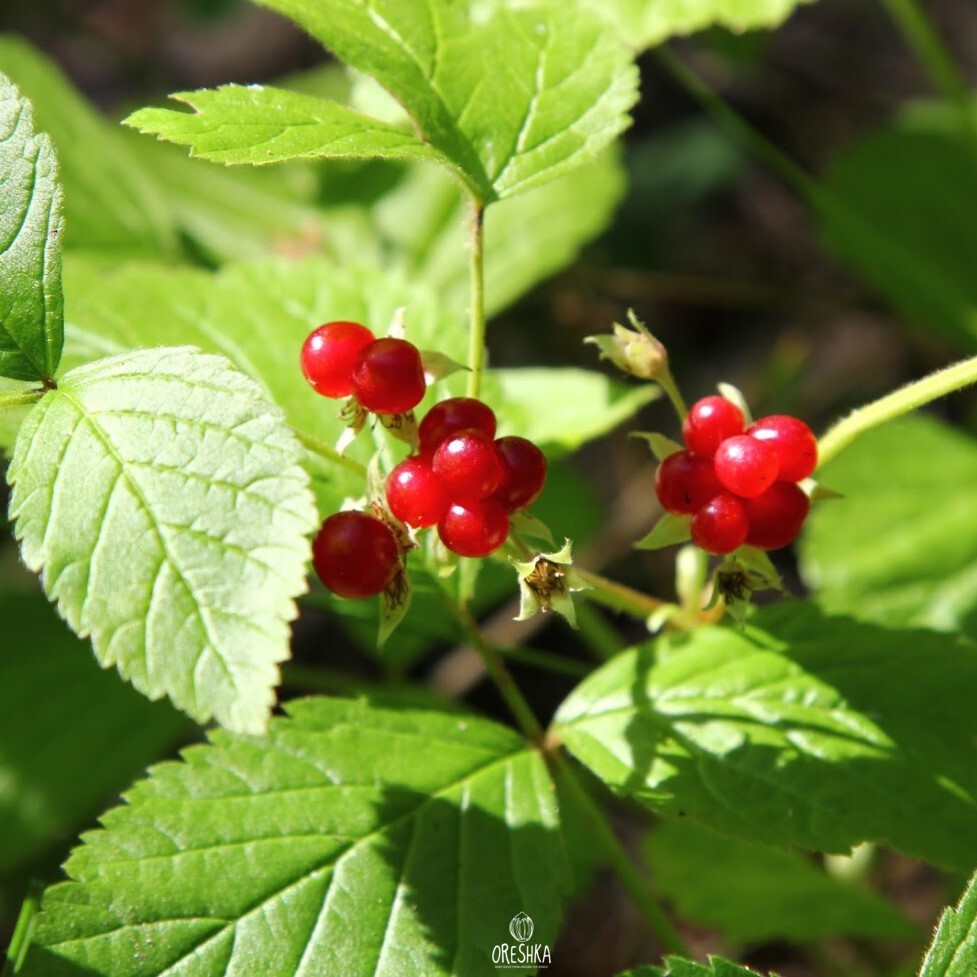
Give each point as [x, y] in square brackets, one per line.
[739, 483]
[462, 479]
[465, 480]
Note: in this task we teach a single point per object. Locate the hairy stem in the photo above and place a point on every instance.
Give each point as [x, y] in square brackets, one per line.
[618, 858]
[899, 402]
[20, 398]
[319, 447]
[476, 331]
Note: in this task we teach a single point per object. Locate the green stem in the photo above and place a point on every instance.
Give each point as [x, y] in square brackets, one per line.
[20, 398]
[742, 131]
[323, 450]
[668, 384]
[545, 660]
[922, 37]
[899, 402]
[601, 639]
[618, 597]
[500, 675]
[618, 858]
[23, 931]
[476, 332]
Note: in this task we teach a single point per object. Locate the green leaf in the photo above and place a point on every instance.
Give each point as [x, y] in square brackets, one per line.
[754, 894]
[786, 732]
[351, 840]
[258, 124]
[31, 303]
[110, 204]
[954, 949]
[901, 546]
[559, 93]
[161, 496]
[73, 736]
[561, 407]
[902, 215]
[645, 23]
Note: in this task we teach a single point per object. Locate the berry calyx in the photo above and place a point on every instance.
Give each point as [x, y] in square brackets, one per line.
[469, 465]
[329, 354]
[792, 440]
[709, 422]
[746, 466]
[776, 516]
[525, 473]
[355, 555]
[451, 416]
[685, 482]
[415, 494]
[388, 376]
[475, 528]
[721, 525]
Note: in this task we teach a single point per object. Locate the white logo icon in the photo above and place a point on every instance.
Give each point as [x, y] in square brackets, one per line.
[521, 928]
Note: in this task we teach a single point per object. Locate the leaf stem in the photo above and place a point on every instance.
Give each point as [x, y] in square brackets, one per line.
[23, 931]
[319, 447]
[929, 48]
[500, 675]
[20, 398]
[476, 331]
[899, 402]
[618, 858]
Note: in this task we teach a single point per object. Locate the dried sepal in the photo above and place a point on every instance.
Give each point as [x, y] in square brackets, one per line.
[546, 582]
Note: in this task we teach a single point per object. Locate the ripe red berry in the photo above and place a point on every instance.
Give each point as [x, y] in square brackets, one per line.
[355, 554]
[389, 377]
[329, 354]
[474, 528]
[525, 473]
[415, 494]
[709, 422]
[793, 441]
[746, 466]
[451, 416]
[721, 525]
[469, 465]
[776, 516]
[685, 482]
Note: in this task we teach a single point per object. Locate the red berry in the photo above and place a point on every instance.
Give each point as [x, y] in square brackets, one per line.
[474, 528]
[721, 525]
[746, 466]
[685, 482]
[469, 465]
[415, 494]
[389, 377]
[355, 554]
[776, 516]
[451, 416]
[710, 422]
[525, 473]
[329, 354]
[793, 441]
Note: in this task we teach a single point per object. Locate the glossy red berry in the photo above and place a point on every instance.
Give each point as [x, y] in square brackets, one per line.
[355, 555]
[525, 473]
[794, 442]
[329, 354]
[745, 466]
[685, 482]
[474, 528]
[388, 376]
[721, 525]
[415, 494]
[709, 422]
[776, 516]
[469, 465]
[451, 416]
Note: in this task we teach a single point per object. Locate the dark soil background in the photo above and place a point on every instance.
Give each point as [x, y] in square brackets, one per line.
[709, 247]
